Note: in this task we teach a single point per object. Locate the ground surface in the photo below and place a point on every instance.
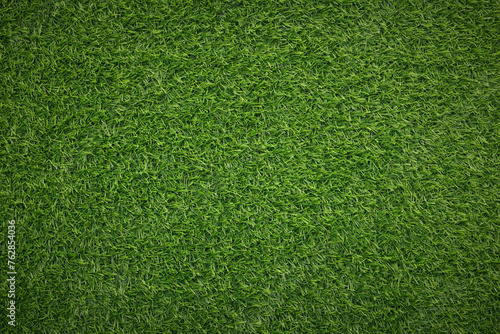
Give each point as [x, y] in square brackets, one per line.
[260, 166]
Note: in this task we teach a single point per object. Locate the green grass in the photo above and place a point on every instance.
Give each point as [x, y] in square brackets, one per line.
[253, 166]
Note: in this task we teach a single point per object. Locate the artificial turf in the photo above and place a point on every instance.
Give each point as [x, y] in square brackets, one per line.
[253, 166]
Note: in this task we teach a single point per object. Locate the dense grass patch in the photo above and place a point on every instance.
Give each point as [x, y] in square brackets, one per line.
[253, 166]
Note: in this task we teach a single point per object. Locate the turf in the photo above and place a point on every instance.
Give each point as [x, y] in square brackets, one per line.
[253, 166]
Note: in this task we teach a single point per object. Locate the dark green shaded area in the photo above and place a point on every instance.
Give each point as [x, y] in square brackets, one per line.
[254, 167]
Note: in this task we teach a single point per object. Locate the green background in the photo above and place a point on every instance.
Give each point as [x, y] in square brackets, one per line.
[253, 166]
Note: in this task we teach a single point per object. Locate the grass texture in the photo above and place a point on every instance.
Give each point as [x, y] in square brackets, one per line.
[251, 167]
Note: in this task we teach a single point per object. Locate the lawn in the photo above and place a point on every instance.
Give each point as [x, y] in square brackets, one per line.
[250, 166]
